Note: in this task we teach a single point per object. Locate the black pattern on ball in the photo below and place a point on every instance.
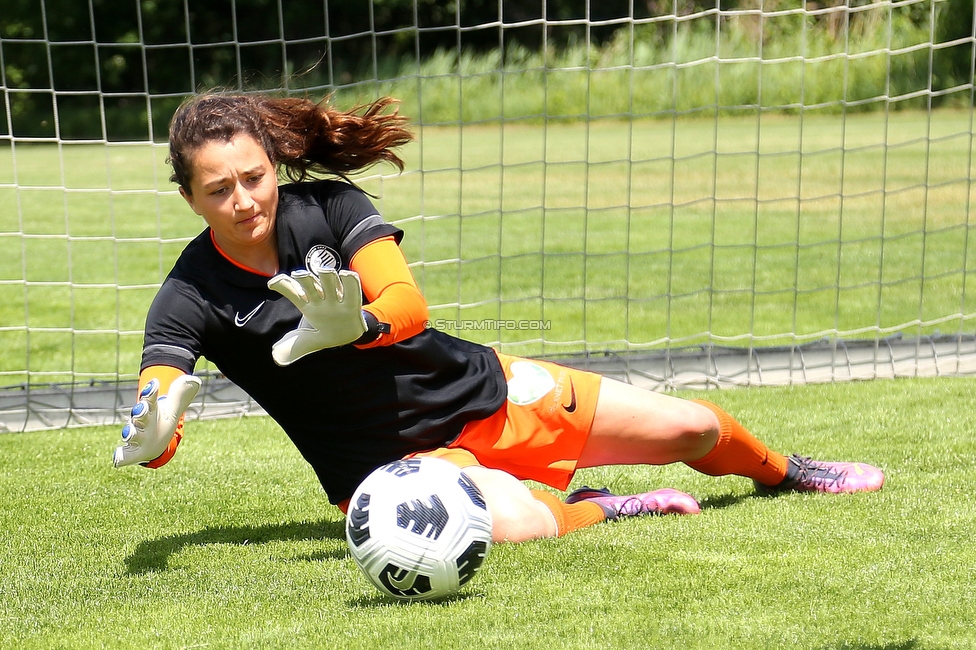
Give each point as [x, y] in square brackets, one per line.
[359, 520]
[471, 560]
[402, 582]
[472, 491]
[403, 467]
[422, 518]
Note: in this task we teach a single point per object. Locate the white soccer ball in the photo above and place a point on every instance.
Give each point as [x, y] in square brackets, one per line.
[419, 528]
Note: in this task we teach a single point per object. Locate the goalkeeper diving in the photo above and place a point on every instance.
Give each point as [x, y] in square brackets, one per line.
[301, 295]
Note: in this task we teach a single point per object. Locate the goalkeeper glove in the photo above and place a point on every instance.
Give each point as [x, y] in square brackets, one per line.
[154, 422]
[332, 312]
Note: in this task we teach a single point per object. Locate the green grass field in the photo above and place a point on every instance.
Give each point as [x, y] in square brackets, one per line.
[233, 545]
[615, 235]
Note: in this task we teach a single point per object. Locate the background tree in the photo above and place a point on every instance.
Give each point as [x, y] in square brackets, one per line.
[67, 63]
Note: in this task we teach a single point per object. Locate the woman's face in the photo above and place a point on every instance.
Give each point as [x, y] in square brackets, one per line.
[234, 188]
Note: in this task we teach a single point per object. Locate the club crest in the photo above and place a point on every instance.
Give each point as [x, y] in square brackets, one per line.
[322, 258]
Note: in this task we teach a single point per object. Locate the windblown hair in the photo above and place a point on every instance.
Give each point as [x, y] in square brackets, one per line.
[301, 137]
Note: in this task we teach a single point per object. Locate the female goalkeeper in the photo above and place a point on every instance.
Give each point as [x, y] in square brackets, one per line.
[301, 296]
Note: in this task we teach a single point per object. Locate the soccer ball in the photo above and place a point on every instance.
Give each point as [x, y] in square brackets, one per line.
[419, 528]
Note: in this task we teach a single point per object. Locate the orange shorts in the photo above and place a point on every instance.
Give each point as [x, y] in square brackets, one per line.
[539, 432]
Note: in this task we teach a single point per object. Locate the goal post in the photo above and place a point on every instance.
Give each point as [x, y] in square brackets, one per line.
[675, 193]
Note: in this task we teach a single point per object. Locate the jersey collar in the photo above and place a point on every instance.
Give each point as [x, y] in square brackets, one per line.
[243, 267]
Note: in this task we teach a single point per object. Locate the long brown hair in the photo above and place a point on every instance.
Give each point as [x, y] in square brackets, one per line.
[301, 137]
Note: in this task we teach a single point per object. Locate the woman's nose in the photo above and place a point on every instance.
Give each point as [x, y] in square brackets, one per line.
[243, 200]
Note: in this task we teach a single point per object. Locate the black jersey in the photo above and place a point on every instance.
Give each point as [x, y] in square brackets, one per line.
[348, 410]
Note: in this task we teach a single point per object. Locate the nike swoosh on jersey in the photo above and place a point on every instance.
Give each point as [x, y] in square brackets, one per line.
[241, 321]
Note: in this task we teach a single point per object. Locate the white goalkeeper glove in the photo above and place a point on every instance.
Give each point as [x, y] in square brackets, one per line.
[154, 421]
[332, 312]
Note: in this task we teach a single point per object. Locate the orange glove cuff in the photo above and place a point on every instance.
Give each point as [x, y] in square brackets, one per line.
[165, 457]
[165, 375]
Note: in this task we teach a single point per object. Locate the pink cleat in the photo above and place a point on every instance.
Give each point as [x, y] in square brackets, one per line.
[666, 501]
[808, 475]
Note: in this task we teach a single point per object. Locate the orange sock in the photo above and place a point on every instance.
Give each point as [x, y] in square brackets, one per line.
[739, 452]
[570, 516]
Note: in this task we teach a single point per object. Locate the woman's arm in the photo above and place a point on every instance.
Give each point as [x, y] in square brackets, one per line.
[392, 294]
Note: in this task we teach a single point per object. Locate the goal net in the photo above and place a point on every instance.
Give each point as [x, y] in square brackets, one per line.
[676, 193]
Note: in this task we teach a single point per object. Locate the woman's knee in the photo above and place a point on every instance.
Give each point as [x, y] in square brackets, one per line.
[701, 430]
[700, 418]
[516, 516]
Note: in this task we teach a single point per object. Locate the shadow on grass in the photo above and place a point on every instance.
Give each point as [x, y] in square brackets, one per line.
[723, 501]
[720, 501]
[910, 644]
[382, 600]
[153, 555]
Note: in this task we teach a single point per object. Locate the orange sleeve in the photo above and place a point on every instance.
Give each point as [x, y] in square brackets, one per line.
[165, 375]
[392, 295]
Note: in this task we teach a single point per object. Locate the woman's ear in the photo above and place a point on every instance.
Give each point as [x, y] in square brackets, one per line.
[189, 199]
